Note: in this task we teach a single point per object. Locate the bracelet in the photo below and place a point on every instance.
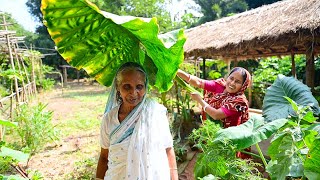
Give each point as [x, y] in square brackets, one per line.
[204, 107]
[173, 168]
[189, 78]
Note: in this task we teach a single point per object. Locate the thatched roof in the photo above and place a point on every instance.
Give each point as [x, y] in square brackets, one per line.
[276, 29]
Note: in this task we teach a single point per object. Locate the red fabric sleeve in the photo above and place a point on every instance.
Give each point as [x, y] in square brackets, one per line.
[212, 86]
[229, 113]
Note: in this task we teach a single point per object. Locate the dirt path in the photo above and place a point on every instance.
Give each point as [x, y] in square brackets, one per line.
[58, 159]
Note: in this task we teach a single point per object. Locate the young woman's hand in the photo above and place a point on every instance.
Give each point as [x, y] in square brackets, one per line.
[197, 97]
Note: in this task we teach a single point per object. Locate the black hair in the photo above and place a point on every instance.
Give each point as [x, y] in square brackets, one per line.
[242, 71]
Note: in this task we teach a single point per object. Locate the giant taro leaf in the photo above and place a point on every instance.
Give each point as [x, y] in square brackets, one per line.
[100, 42]
[275, 106]
[249, 133]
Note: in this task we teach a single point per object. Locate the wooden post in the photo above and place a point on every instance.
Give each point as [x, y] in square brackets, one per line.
[65, 75]
[16, 87]
[204, 68]
[23, 92]
[229, 64]
[310, 67]
[293, 66]
[33, 76]
[78, 75]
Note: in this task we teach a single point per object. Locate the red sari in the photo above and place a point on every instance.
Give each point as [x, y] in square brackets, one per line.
[236, 103]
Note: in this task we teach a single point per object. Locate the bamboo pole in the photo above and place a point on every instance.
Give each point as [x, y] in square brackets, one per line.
[11, 61]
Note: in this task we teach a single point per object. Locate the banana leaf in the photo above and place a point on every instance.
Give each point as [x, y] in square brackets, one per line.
[249, 133]
[275, 106]
[100, 42]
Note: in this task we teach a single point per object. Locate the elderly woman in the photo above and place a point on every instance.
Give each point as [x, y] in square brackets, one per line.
[225, 99]
[135, 137]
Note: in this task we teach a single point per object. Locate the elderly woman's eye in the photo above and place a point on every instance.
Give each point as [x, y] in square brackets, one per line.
[140, 87]
[126, 86]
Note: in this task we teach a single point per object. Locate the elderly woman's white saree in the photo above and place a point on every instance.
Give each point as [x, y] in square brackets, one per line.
[138, 145]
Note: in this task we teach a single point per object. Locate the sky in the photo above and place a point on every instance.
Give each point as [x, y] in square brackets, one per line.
[19, 11]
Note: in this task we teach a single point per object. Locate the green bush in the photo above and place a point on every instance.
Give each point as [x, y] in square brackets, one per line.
[46, 84]
[35, 128]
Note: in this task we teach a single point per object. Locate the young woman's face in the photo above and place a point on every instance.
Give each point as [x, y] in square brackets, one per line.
[234, 82]
[132, 87]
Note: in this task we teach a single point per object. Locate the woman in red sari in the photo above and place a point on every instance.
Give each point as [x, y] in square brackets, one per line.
[225, 99]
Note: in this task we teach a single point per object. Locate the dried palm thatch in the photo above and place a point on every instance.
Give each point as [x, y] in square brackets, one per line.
[281, 28]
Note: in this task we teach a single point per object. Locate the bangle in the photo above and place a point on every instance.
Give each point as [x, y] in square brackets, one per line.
[173, 168]
[189, 78]
[204, 107]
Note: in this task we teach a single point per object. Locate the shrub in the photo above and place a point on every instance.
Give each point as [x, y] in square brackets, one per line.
[35, 128]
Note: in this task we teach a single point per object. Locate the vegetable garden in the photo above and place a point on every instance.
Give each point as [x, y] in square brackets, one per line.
[85, 37]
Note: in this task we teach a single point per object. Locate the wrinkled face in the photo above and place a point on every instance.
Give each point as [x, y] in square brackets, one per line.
[234, 82]
[132, 87]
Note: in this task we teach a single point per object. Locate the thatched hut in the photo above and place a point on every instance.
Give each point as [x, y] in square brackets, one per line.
[283, 28]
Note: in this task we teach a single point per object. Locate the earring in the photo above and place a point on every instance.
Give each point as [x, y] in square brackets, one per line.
[118, 96]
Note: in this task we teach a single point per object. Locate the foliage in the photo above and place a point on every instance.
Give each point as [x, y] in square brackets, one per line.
[81, 39]
[249, 133]
[84, 170]
[180, 150]
[275, 105]
[215, 9]
[218, 157]
[46, 84]
[20, 31]
[266, 73]
[254, 3]
[34, 64]
[35, 128]
[9, 157]
[293, 149]
[216, 69]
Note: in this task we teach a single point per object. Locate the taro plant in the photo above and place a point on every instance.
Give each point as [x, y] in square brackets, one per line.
[294, 150]
[10, 158]
[100, 42]
[288, 111]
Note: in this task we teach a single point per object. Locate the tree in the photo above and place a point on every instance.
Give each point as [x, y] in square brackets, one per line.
[20, 31]
[43, 40]
[254, 3]
[215, 9]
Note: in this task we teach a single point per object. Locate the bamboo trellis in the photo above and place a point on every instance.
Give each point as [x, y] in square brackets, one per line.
[23, 85]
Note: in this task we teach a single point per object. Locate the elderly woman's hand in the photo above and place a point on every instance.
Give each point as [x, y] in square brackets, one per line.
[196, 96]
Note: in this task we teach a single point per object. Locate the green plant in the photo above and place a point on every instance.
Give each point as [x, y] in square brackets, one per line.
[10, 157]
[46, 84]
[180, 151]
[35, 128]
[218, 157]
[84, 170]
[300, 139]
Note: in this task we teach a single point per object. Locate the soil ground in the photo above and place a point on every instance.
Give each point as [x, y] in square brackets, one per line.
[58, 159]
